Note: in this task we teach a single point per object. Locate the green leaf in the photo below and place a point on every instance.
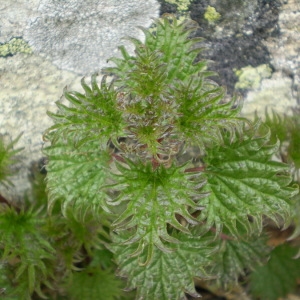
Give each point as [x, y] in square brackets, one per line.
[168, 275]
[177, 52]
[243, 182]
[203, 115]
[286, 129]
[7, 159]
[75, 176]
[296, 221]
[92, 116]
[94, 283]
[236, 257]
[155, 197]
[71, 236]
[278, 277]
[5, 282]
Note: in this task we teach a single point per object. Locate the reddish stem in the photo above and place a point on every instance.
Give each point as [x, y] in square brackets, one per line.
[196, 169]
[118, 158]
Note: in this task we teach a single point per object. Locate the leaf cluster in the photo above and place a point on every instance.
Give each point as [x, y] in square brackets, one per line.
[115, 154]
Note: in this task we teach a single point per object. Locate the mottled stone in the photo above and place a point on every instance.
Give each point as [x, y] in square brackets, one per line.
[274, 93]
[14, 16]
[80, 35]
[29, 87]
[285, 49]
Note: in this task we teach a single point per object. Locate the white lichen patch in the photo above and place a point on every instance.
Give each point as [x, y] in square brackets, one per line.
[274, 94]
[80, 35]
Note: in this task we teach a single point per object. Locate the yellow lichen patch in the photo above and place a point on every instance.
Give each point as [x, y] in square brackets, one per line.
[250, 78]
[211, 15]
[15, 45]
[182, 5]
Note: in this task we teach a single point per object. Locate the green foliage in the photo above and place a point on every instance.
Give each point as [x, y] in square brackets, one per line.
[235, 257]
[278, 277]
[287, 129]
[125, 191]
[75, 175]
[7, 160]
[44, 255]
[242, 181]
[294, 134]
[114, 155]
[26, 250]
[164, 80]
[94, 112]
[156, 279]
[155, 196]
[94, 284]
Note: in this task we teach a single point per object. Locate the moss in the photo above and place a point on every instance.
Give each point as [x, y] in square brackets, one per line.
[211, 15]
[182, 5]
[250, 78]
[15, 45]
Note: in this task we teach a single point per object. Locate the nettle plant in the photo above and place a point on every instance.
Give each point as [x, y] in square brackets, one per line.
[156, 171]
[184, 180]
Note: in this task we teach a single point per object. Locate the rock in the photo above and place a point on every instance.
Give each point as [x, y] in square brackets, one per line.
[30, 86]
[80, 35]
[14, 16]
[274, 93]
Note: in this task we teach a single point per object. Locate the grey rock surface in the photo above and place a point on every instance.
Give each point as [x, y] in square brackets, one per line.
[282, 91]
[14, 16]
[30, 86]
[80, 35]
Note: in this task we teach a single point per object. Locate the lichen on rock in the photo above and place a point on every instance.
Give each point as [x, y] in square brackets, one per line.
[250, 77]
[182, 5]
[211, 15]
[15, 45]
[274, 93]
